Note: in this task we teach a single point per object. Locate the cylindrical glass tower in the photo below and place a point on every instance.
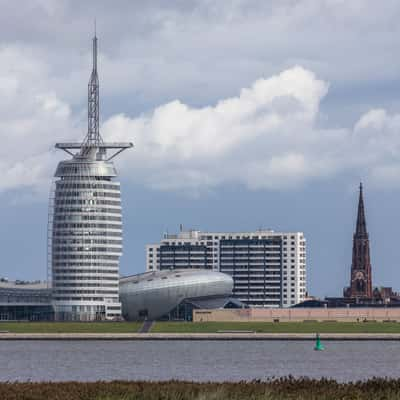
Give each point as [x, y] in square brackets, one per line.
[86, 240]
[85, 224]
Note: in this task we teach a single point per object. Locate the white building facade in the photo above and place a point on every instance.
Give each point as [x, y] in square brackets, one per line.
[85, 224]
[86, 240]
[268, 268]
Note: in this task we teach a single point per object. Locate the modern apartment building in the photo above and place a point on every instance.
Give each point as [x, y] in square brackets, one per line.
[268, 268]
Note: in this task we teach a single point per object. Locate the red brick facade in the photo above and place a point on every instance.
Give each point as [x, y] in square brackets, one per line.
[360, 280]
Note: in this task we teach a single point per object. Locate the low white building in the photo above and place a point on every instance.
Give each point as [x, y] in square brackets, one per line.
[268, 268]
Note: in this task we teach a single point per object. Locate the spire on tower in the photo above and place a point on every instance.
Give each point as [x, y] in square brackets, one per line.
[93, 138]
[93, 146]
[361, 226]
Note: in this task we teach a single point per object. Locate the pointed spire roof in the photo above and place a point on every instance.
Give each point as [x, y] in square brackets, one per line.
[361, 226]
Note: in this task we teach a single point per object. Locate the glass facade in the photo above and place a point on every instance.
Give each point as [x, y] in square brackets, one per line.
[27, 304]
[267, 267]
[86, 240]
[256, 268]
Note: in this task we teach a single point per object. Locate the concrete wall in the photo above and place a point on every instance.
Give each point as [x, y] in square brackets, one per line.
[298, 314]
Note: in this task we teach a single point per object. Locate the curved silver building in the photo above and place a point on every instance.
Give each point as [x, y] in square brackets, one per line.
[153, 294]
[85, 221]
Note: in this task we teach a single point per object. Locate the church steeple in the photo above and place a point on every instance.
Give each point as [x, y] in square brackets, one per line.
[361, 226]
[361, 279]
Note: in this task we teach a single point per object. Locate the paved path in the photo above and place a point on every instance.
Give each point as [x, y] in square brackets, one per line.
[146, 327]
[197, 336]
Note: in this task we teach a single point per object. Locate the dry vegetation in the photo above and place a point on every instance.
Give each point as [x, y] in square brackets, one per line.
[279, 389]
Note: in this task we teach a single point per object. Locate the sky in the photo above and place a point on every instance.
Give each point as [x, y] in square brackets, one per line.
[244, 115]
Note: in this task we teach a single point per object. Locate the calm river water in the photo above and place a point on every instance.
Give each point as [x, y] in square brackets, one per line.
[194, 360]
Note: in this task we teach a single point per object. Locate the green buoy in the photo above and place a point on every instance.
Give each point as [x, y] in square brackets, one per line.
[318, 345]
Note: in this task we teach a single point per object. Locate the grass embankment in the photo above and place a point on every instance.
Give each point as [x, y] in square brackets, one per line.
[277, 327]
[301, 389]
[70, 327]
[201, 327]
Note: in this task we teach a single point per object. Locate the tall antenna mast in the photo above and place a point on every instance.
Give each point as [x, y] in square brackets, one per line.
[93, 138]
[93, 144]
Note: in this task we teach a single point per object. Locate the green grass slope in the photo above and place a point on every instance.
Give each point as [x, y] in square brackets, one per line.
[70, 327]
[280, 327]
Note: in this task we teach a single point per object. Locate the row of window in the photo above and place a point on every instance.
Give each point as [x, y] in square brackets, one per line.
[254, 265]
[101, 249]
[83, 264]
[63, 202]
[99, 210]
[61, 291]
[84, 193]
[60, 277]
[70, 285]
[90, 185]
[262, 295]
[84, 217]
[273, 274]
[59, 298]
[84, 257]
[242, 244]
[65, 225]
[86, 241]
[85, 234]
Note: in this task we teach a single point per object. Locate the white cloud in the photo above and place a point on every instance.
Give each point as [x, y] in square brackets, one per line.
[267, 128]
[262, 138]
[32, 119]
[265, 137]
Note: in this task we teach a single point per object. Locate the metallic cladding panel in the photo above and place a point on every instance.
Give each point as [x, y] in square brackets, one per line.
[78, 168]
[159, 293]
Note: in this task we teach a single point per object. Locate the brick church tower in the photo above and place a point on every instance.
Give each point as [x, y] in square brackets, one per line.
[360, 280]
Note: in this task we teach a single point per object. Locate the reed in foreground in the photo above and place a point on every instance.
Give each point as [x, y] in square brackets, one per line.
[279, 389]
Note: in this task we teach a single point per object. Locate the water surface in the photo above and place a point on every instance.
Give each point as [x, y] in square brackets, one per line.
[195, 360]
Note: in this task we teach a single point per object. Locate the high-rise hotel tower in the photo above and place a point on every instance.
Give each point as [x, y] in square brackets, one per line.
[85, 223]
